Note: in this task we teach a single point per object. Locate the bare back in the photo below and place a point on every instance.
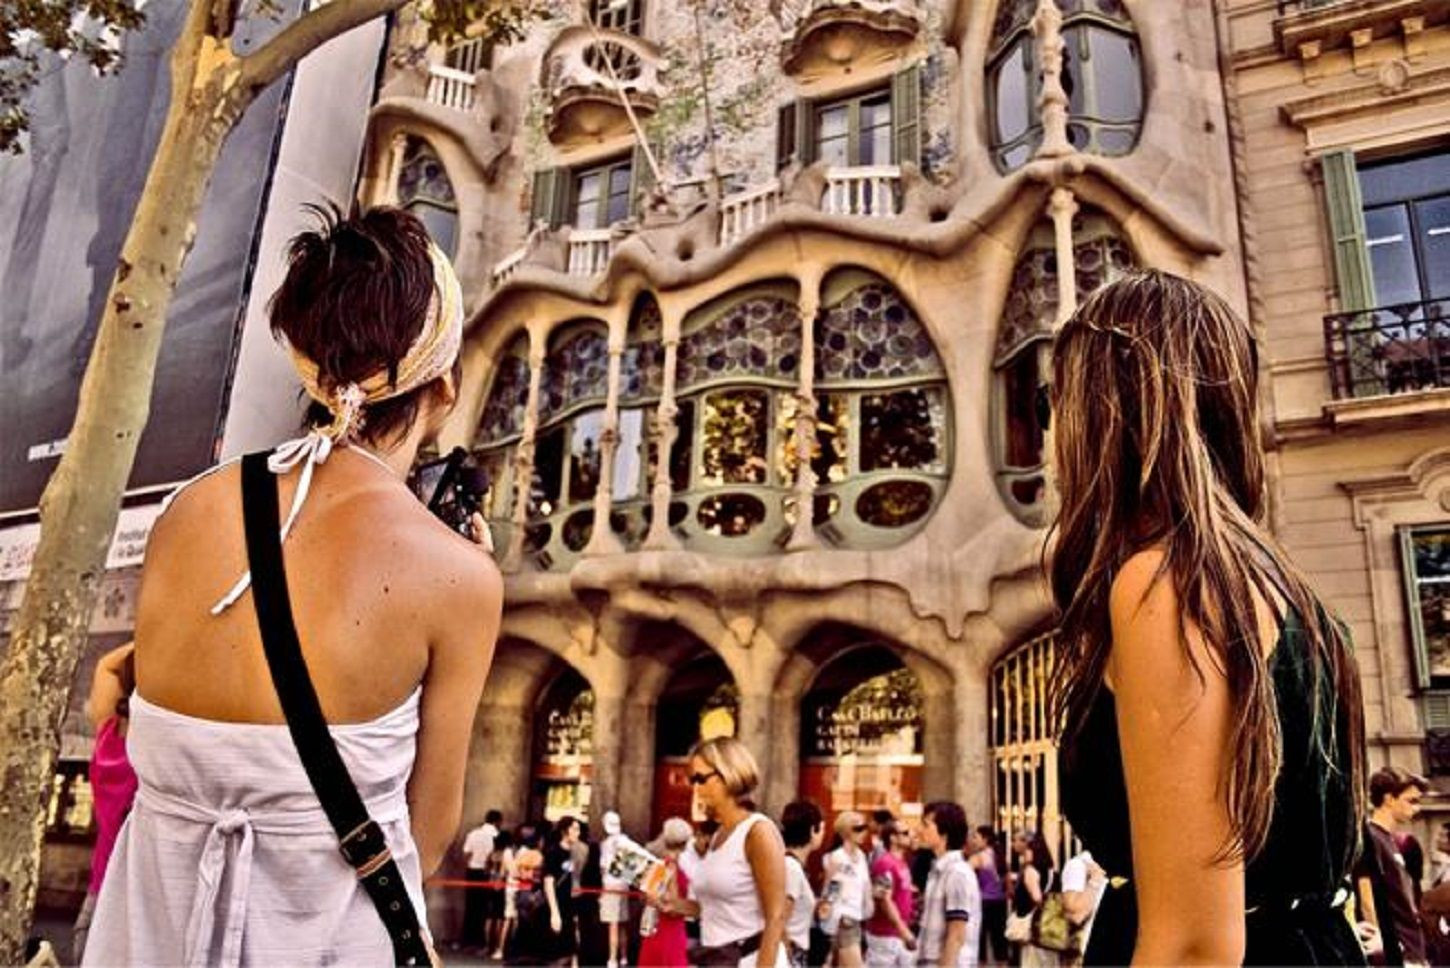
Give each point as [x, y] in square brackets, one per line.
[376, 584]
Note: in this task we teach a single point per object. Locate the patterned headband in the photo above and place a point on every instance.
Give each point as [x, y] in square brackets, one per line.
[431, 356]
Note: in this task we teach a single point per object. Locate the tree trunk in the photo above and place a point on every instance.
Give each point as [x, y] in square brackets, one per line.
[79, 508]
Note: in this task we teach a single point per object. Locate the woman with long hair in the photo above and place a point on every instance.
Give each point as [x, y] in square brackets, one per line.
[739, 888]
[1212, 728]
[1036, 875]
[229, 856]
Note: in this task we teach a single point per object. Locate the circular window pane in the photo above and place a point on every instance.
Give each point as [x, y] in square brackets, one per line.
[894, 504]
[730, 515]
[537, 535]
[578, 529]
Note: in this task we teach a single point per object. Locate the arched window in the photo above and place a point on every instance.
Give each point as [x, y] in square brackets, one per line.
[739, 358]
[498, 435]
[883, 426]
[424, 190]
[1102, 73]
[1023, 341]
[641, 379]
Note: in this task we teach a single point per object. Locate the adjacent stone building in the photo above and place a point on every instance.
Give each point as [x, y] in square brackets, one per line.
[1341, 115]
[759, 302]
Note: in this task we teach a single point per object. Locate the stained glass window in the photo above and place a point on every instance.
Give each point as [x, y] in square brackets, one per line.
[830, 455]
[424, 190]
[731, 515]
[902, 430]
[642, 366]
[894, 504]
[872, 334]
[503, 414]
[758, 336]
[575, 371]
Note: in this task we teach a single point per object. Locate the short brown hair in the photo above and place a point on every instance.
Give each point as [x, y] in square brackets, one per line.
[355, 298]
[1392, 781]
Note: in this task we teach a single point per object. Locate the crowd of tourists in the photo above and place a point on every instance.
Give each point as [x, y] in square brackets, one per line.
[312, 645]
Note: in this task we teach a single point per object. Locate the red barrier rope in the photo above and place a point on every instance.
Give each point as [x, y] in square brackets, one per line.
[523, 886]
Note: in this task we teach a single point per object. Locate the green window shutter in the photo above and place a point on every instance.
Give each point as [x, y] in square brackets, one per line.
[1346, 224]
[785, 135]
[805, 131]
[906, 114]
[549, 185]
[641, 176]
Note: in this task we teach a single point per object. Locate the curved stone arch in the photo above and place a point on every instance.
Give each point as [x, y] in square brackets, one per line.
[378, 155]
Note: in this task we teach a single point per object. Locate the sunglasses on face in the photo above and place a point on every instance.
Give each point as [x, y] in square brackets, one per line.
[700, 779]
[860, 828]
[1042, 406]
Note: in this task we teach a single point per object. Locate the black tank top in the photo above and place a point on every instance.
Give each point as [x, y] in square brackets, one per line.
[1293, 884]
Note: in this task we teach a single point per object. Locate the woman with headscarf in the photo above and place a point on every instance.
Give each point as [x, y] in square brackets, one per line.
[228, 857]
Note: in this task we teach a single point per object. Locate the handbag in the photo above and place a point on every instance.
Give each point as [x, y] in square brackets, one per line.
[1052, 928]
[1019, 928]
[360, 840]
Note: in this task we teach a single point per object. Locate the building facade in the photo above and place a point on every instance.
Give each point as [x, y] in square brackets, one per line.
[760, 298]
[1342, 121]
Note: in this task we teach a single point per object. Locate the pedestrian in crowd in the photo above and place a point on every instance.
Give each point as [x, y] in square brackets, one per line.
[803, 829]
[1440, 856]
[506, 870]
[847, 893]
[477, 901]
[691, 858]
[739, 891]
[561, 942]
[113, 781]
[1083, 882]
[614, 903]
[1414, 855]
[528, 945]
[1435, 924]
[1385, 890]
[951, 908]
[1178, 607]
[874, 822]
[1036, 875]
[592, 937]
[890, 942]
[667, 945]
[990, 868]
[227, 856]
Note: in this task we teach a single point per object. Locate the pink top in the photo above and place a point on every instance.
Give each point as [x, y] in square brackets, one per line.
[667, 947]
[113, 788]
[890, 872]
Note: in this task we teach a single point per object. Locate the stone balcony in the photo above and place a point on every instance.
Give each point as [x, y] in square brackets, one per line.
[828, 34]
[470, 107]
[867, 192]
[1308, 28]
[588, 74]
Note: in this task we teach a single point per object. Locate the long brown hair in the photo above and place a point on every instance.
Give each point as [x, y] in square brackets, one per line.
[1156, 413]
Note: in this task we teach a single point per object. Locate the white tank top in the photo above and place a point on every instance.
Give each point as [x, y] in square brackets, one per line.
[725, 887]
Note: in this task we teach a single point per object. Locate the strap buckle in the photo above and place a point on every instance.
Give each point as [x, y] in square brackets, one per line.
[365, 848]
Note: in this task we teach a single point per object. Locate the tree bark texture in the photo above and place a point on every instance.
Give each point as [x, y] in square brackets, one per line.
[210, 90]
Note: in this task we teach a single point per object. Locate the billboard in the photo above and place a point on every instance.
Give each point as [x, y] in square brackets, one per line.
[65, 207]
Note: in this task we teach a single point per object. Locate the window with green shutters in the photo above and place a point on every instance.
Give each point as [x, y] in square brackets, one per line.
[1425, 560]
[880, 126]
[1345, 208]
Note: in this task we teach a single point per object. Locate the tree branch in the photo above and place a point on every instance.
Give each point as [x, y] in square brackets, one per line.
[306, 34]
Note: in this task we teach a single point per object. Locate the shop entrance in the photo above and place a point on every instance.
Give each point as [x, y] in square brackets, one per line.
[563, 749]
[700, 701]
[861, 734]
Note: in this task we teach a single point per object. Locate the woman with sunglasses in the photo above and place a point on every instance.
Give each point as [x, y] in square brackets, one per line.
[1213, 733]
[738, 893]
[848, 884]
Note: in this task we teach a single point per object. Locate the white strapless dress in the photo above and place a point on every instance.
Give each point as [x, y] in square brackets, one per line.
[227, 858]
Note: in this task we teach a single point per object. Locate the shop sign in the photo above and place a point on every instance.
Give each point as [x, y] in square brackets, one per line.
[128, 546]
[880, 717]
[569, 731]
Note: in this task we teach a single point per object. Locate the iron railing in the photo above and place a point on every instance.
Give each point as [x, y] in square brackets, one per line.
[1390, 349]
[1295, 6]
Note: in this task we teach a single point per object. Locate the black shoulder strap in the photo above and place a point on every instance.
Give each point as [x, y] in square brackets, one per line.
[361, 840]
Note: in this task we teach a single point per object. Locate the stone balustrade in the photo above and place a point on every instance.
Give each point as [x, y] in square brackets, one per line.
[589, 251]
[743, 212]
[872, 191]
[450, 88]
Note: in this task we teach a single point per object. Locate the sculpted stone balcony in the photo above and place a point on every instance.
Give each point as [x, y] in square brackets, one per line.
[832, 33]
[1308, 28]
[587, 76]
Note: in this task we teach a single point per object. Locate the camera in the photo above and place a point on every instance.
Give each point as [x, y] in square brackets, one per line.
[454, 487]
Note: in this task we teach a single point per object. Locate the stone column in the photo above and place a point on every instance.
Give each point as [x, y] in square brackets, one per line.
[783, 780]
[524, 458]
[803, 536]
[606, 746]
[663, 432]
[637, 766]
[1052, 105]
[395, 168]
[603, 540]
[499, 759]
[956, 731]
[753, 729]
[1062, 207]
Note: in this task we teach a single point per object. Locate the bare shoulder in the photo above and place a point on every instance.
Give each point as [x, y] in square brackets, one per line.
[763, 837]
[1138, 586]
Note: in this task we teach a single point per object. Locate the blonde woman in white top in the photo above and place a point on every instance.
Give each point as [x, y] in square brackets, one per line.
[739, 890]
[848, 885]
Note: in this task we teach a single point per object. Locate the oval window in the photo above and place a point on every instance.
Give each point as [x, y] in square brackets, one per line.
[730, 515]
[894, 504]
[578, 529]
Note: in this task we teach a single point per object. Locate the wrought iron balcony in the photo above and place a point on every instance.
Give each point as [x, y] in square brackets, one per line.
[1390, 349]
